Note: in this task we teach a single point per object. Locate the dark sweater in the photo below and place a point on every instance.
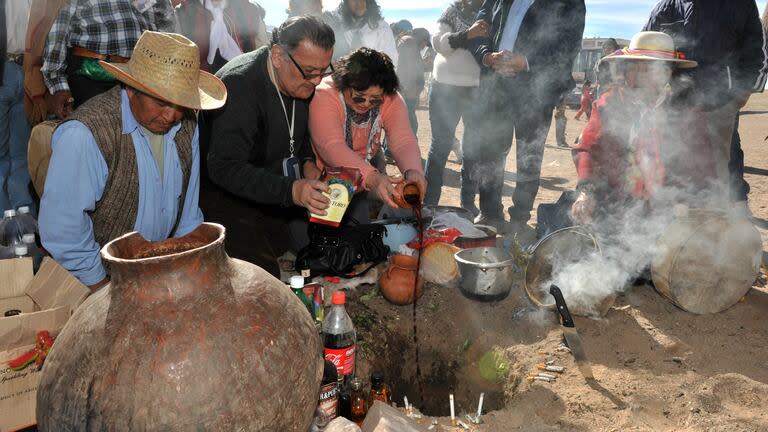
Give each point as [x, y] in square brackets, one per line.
[248, 138]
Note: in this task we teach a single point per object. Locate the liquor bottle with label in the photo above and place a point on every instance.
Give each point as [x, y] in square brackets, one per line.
[339, 339]
[328, 406]
[359, 403]
[379, 389]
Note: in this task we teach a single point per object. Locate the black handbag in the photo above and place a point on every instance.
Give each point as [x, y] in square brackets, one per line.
[336, 251]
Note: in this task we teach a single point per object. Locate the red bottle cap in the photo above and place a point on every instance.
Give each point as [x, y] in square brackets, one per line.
[338, 297]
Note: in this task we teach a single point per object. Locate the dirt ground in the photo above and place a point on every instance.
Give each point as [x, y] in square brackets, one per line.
[657, 367]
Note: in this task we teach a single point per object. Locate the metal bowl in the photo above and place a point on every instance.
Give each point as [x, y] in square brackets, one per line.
[562, 246]
[486, 273]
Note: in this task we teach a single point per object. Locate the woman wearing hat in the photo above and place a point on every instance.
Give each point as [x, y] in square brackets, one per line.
[128, 159]
[350, 111]
[639, 141]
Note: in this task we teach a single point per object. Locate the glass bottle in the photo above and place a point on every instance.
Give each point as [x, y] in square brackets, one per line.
[297, 286]
[380, 391]
[359, 403]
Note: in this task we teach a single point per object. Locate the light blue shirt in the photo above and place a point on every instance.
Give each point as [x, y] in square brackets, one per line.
[514, 21]
[75, 182]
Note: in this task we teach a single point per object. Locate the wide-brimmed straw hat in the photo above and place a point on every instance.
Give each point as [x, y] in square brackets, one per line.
[654, 46]
[167, 66]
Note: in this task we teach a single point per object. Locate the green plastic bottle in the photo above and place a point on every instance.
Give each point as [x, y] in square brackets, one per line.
[297, 285]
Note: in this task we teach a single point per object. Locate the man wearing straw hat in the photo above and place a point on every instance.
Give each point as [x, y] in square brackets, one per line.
[128, 159]
[641, 142]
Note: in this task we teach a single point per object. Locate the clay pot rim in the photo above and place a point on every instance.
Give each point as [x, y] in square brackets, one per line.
[107, 255]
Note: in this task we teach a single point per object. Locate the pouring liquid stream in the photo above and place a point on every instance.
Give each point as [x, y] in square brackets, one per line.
[415, 201]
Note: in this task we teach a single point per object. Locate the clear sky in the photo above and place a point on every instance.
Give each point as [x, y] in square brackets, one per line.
[605, 18]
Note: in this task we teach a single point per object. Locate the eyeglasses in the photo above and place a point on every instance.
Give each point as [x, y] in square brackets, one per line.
[361, 99]
[309, 77]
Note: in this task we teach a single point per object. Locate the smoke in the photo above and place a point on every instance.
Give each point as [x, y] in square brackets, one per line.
[667, 143]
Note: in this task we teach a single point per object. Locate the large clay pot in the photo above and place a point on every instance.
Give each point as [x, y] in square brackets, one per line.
[185, 338]
[398, 282]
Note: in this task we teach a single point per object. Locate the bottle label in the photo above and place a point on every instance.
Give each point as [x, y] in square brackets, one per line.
[327, 409]
[343, 359]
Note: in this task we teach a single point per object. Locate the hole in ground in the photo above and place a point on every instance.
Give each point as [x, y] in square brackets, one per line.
[461, 343]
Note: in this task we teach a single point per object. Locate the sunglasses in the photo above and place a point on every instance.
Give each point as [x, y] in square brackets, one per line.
[307, 76]
[362, 99]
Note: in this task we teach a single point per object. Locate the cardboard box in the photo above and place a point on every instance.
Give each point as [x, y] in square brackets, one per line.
[46, 301]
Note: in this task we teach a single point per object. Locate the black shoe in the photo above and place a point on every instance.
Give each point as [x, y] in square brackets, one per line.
[472, 208]
[497, 222]
[518, 217]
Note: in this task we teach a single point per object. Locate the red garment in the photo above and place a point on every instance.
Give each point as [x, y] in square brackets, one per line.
[676, 152]
[586, 102]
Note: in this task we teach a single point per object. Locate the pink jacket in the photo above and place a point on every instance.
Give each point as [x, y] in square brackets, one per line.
[327, 115]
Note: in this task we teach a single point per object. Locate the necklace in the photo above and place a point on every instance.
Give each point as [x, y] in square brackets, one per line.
[292, 122]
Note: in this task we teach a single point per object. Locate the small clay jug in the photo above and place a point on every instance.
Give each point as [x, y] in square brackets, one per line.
[404, 190]
[398, 282]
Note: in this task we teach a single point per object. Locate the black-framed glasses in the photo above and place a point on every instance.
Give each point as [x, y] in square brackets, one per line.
[305, 75]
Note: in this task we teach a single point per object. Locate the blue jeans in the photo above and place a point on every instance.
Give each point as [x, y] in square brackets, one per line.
[14, 137]
[447, 105]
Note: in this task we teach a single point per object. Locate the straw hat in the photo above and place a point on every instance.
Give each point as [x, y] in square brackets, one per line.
[167, 66]
[654, 46]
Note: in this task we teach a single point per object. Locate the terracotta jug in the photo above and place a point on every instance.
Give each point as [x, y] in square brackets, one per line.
[398, 282]
[185, 338]
[406, 189]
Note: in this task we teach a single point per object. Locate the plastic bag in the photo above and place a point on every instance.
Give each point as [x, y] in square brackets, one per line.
[452, 220]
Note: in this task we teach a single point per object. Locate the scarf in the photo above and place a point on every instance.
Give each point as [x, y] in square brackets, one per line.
[457, 17]
[220, 39]
[646, 174]
[354, 119]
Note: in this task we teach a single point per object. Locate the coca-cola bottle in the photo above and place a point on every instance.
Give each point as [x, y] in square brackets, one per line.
[339, 339]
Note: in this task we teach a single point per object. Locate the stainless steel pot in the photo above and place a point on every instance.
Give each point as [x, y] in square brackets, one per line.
[486, 273]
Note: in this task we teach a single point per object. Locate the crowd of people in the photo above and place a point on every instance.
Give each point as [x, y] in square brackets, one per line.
[170, 112]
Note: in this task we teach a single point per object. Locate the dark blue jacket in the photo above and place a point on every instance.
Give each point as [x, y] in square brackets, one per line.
[550, 37]
[724, 36]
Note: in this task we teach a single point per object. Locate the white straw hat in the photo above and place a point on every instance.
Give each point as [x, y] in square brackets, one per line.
[167, 66]
[654, 46]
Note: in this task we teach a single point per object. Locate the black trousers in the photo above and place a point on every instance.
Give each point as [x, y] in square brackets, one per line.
[513, 108]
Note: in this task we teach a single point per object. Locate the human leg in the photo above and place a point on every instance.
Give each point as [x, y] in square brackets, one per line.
[6, 103]
[739, 186]
[444, 114]
[18, 139]
[532, 128]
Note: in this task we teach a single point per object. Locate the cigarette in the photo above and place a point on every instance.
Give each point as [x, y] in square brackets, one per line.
[539, 378]
[407, 406]
[463, 425]
[542, 353]
[453, 411]
[563, 349]
[550, 363]
[543, 375]
[480, 406]
[550, 368]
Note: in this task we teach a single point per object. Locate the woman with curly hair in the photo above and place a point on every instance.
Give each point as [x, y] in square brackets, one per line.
[359, 23]
[347, 115]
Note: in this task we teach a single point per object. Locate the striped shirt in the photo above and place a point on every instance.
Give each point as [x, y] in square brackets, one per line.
[104, 26]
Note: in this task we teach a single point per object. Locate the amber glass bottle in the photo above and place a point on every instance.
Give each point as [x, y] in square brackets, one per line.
[359, 403]
[379, 390]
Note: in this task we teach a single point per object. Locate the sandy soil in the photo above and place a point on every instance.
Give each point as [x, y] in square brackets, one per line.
[657, 367]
